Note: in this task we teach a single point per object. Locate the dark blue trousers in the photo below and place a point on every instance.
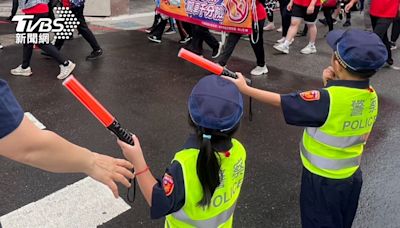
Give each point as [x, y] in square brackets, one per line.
[329, 203]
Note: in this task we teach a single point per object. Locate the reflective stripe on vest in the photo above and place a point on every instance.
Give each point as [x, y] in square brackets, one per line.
[212, 222]
[326, 163]
[340, 142]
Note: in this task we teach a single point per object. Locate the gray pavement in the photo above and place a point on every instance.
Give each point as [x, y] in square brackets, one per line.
[146, 87]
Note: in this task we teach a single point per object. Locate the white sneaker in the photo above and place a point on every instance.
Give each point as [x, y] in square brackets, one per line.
[269, 27]
[309, 49]
[1, 46]
[279, 29]
[259, 70]
[65, 71]
[282, 48]
[19, 71]
[282, 40]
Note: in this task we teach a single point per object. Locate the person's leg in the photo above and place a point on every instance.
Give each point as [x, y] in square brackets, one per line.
[158, 31]
[328, 17]
[286, 16]
[208, 38]
[298, 13]
[348, 20]
[350, 207]
[367, 19]
[258, 47]
[381, 27]
[230, 45]
[181, 29]
[395, 30]
[312, 31]
[84, 29]
[14, 8]
[320, 201]
[270, 16]
[26, 55]
[54, 52]
[197, 41]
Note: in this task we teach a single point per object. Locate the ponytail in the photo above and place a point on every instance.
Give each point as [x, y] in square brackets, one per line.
[208, 167]
[208, 161]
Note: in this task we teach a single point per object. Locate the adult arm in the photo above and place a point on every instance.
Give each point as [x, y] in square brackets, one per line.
[48, 151]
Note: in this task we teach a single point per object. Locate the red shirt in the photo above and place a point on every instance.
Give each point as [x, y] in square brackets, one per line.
[384, 8]
[306, 3]
[261, 13]
[38, 9]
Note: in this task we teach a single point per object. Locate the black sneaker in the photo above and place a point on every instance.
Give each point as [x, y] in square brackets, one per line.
[170, 31]
[323, 21]
[185, 40]
[154, 39]
[389, 61]
[95, 54]
[217, 51]
[347, 24]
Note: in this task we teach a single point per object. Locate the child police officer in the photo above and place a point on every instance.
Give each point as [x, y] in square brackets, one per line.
[338, 119]
[201, 186]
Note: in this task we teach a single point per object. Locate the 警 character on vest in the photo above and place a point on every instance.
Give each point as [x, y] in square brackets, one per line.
[201, 186]
[338, 119]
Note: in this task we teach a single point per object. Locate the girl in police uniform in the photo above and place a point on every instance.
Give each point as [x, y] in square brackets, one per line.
[201, 186]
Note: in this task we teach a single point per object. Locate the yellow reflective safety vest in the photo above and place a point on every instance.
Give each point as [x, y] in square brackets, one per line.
[220, 212]
[334, 150]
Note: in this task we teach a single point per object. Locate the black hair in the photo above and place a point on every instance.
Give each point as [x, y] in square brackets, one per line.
[209, 161]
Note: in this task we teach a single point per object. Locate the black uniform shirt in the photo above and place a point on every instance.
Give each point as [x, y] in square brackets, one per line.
[166, 201]
[11, 113]
[311, 108]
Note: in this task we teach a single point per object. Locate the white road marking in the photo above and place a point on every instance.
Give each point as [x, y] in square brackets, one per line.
[35, 121]
[86, 203]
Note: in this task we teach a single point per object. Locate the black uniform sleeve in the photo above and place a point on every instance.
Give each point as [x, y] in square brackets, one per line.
[164, 200]
[11, 113]
[299, 111]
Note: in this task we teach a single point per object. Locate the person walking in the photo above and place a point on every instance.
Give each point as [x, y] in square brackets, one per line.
[40, 9]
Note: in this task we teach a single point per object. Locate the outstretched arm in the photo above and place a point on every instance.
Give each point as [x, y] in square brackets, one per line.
[48, 151]
[261, 95]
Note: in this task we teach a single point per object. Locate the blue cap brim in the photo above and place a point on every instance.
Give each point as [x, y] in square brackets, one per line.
[333, 37]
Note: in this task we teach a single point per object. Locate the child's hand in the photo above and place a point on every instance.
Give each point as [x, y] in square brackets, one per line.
[133, 153]
[240, 82]
[328, 74]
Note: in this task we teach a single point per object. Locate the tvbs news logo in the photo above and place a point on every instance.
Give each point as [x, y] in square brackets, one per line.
[30, 31]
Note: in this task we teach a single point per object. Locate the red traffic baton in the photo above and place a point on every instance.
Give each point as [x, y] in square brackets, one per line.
[104, 116]
[97, 109]
[214, 68]
[207, 64]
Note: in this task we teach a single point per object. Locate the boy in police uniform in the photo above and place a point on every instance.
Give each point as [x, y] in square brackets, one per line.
[338, 119]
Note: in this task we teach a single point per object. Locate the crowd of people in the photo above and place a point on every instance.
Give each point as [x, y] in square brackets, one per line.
[293, 13]
[193, 190]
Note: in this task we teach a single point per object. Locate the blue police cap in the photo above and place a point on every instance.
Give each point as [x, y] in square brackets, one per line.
[359, 50]
[215, 103]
